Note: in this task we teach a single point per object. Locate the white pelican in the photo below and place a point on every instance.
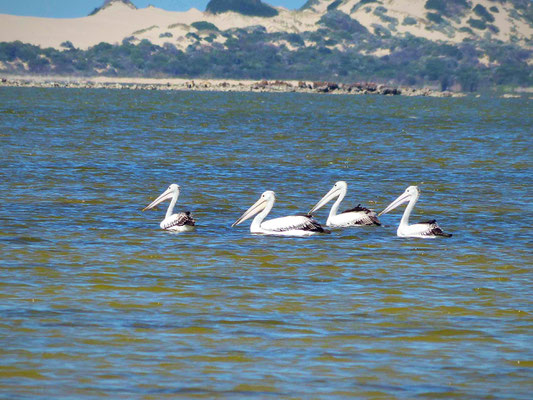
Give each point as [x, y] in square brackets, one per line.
[180, 222]
[294, 225]
[357, 216]
[429, 229]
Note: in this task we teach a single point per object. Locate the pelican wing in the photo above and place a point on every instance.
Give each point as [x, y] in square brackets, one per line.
[357, 208]
[180, 219]
[429, 228]
[362, 216]
[293, 222]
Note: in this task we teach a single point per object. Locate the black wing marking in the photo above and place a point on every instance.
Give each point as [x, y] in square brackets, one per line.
[370, 217]
[187, 218]
[357, 208]
[438, 232]
[434, 229]
[314, 226]
[181, 219]
[309, 224]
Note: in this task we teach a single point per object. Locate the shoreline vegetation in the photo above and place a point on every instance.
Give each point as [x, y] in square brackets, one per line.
[218, 85]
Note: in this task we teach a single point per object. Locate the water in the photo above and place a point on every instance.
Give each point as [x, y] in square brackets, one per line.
[98, 302]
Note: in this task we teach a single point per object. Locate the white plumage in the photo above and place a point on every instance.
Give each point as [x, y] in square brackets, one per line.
[357, 216]
[293, 225]
[179, 222]
[429, 229]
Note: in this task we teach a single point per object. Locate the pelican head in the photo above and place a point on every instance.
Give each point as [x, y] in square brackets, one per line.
[172, 191]
[405, 197]
[335, 191]
[267, 197]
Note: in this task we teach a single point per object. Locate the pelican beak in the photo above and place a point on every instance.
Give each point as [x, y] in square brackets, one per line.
[334, 192]
[256, 208]
[403, 198]
[167, 194]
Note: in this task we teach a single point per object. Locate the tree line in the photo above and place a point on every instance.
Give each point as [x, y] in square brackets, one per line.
[342, 51]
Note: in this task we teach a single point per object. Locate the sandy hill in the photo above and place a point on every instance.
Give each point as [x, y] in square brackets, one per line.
[439, 20]
[464, 45]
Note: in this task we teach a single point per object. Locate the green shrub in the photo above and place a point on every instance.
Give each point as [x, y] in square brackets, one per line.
[434, 17]
[204, 26]
[246, 7]
[466, 29]
[483, 13]
[140, 31]
[409, 21]
[295, 38]
[39, 64]
[210, 38]
[381, 31]
[477, 24]
[448, 8]
[493, 29]
[309, 4]
[439, 5]
[334, 5]
[339, 21]
[192, 35]
[381, 13]
[67, 45]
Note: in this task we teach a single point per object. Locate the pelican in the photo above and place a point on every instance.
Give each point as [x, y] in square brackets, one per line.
[180, 222]
[357, 216]
[429, 229]
[294, 225]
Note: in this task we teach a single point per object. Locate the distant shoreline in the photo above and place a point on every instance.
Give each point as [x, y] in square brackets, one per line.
[216, 85]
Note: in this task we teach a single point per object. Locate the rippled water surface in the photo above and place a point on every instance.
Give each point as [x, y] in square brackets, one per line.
[96, 301]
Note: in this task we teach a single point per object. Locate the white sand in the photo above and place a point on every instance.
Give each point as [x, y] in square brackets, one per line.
[117, 22]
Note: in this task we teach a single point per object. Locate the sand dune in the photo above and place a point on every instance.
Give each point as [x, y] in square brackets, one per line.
[118, 21]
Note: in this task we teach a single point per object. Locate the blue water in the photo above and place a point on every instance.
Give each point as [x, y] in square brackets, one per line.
[97, 301]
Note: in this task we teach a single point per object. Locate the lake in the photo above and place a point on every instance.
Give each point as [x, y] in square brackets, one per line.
[98, 302]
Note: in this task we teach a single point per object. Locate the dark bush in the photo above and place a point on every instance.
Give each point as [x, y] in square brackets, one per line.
[448, 8]
[334, 5]
[338, 21]
[295, 38]
[477, 23]
[439, 5]
[246, 7]
[409, 21]
[466, 29]
[67, 45]
[204, 26]
[434, 17]
[38, 64]
[483, 13]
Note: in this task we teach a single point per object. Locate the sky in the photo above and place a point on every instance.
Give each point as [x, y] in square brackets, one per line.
[81, 8]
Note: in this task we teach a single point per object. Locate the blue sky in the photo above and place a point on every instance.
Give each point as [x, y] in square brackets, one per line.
[81, 8]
